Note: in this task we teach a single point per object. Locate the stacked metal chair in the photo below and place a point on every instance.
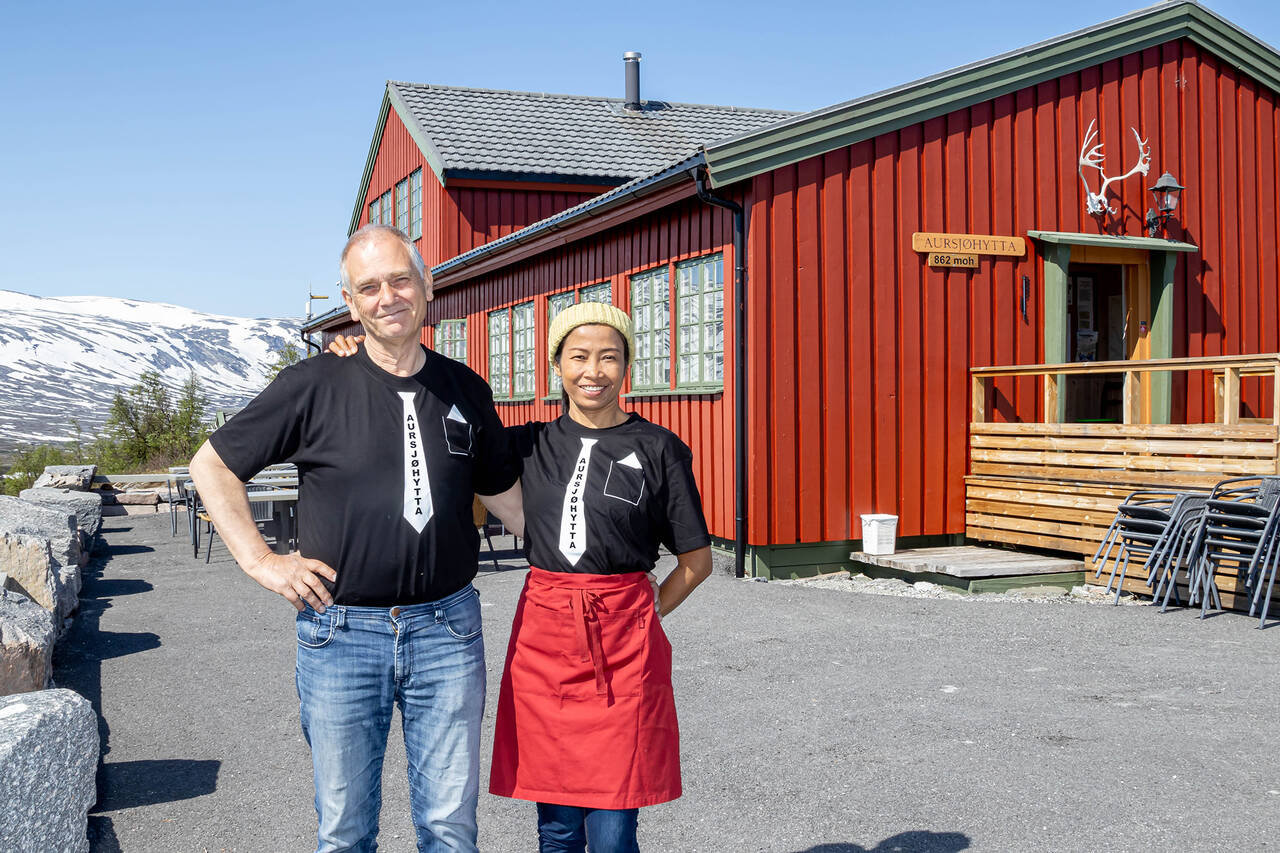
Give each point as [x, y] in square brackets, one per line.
[1140, 529]
[1238, 532]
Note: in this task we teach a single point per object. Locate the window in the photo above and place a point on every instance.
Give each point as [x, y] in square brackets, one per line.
[451, 339]
[388, 213]
[651, 317]
[375, 212]
[415, 205]
[597, 293]
[523, 339]
[402, 205]
[698, 326]
[700, 321]
[556, 303]
[511, 352]
[500, 352]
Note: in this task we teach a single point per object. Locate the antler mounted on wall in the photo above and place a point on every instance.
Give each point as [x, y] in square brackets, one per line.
[1096, 203]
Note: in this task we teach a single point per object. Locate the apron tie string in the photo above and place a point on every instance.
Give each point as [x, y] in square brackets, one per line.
[584, 605]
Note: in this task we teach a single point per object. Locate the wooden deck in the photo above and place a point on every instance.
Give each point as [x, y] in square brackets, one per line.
[979, 569]
[1056, 486]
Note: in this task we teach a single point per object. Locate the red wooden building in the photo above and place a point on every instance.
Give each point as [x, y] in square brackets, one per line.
[858, 394]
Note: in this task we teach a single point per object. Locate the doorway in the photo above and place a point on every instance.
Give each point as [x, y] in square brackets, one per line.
[1097, 314]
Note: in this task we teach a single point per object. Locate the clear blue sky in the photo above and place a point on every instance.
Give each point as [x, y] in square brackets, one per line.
[209, 156]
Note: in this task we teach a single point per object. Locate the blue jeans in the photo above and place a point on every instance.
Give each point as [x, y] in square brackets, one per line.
[569, 829]
[354, 663]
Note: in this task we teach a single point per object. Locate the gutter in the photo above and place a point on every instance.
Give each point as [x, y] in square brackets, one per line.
[699, 173]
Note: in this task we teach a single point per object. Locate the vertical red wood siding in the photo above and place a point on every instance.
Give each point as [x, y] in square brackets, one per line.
[685, 230]
[860, 352]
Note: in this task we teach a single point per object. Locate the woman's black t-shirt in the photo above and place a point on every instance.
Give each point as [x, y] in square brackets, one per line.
[602, 500]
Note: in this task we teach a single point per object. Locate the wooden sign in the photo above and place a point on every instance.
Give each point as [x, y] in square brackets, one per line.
[969, 244]
[945, 259]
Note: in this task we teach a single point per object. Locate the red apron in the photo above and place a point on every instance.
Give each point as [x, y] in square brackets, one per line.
[586, 716]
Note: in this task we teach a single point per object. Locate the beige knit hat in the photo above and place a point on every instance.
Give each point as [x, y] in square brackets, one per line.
[586, 314]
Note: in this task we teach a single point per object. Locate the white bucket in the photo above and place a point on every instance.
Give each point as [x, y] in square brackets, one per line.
[878, 533]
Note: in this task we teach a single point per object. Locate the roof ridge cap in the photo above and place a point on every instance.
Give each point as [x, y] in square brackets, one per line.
[599, 98]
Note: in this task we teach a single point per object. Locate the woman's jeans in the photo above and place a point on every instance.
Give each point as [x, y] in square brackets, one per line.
[354, 663]
[569, 829]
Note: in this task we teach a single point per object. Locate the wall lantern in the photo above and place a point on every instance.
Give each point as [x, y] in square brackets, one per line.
[1166, 197]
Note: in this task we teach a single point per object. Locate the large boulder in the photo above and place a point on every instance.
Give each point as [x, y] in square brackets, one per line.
[48, 758]
[86, 506]
[78, 477]
[26, 644]
[29, 567]
[59, 527]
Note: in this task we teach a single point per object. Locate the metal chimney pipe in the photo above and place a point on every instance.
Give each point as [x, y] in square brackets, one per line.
[631, 64]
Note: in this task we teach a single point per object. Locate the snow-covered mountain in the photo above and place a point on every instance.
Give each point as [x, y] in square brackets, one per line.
[64, 358]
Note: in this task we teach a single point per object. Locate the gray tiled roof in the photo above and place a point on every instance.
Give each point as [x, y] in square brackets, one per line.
[487, 130]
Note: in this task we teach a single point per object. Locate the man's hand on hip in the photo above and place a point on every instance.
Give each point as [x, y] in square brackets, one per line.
[295, 577]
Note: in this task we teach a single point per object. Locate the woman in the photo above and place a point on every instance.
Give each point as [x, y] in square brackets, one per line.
[586, 724]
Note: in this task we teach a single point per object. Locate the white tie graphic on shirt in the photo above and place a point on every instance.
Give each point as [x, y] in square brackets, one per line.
[417, 487]
[573, 522]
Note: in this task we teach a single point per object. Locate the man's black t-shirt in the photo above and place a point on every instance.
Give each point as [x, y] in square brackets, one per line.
[387, 467]
[601, 500]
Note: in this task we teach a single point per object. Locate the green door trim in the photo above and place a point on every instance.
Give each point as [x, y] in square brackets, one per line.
[1162, 260]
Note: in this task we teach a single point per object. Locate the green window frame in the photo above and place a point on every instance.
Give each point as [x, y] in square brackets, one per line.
[415, 204]
[556, 303]
[651, 319]
[500, 353]
[451, 339]
[700, 322]
[402, 205]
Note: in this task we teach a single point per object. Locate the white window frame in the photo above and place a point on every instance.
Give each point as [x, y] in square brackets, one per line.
[402, 205]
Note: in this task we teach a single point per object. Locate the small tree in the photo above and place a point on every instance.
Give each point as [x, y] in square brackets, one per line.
[285, 356]
[146, 428]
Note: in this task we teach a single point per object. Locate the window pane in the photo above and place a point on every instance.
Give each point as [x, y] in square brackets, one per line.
[597, 293]
[650, 309]
[523, 338]
[415, 205]
[700, 319]
[402, 205]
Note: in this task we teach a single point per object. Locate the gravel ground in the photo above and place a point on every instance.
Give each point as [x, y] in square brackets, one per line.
[812, 720]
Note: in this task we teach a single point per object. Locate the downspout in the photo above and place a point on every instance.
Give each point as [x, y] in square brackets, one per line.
[739, 366]
[306, 339]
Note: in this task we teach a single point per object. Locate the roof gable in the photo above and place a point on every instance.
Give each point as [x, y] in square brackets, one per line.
[505, 135]
[792, 140]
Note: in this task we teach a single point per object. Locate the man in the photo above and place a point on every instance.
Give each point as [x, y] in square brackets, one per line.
[390, 446]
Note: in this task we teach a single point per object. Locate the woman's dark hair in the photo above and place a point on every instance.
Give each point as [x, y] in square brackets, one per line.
[626, 361]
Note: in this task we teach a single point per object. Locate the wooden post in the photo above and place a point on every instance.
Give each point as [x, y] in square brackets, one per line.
[1217, 397]
[1275, 396]
[1052, 394]
[978, 413]
[1231, 395]
[1132, 397]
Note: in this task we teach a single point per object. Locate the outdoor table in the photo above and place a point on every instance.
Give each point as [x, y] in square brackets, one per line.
[282, 503]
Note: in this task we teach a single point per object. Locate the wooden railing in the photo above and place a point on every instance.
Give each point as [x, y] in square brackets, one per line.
[1227, 370]
[1056, 485]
